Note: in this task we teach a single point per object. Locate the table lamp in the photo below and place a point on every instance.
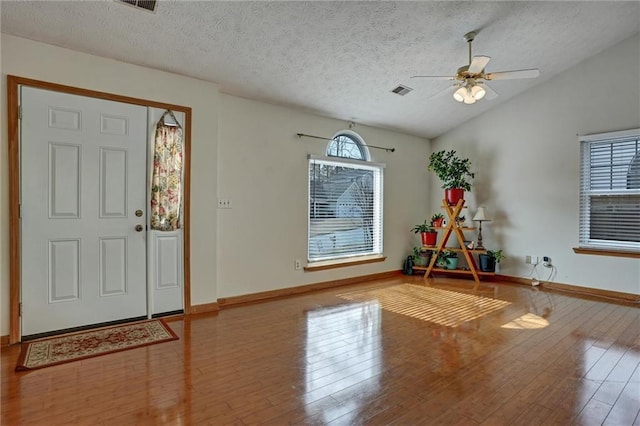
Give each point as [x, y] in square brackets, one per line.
[481, 216]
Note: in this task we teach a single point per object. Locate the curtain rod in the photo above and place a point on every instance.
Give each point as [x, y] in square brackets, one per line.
[329, 139]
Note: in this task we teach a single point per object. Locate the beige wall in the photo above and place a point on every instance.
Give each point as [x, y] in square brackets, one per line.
[263, 170]
[40, 61]
[526, 154]
[254, 158]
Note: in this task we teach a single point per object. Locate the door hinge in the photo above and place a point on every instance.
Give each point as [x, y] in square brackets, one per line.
[20, 112]
[19, 211]
[20, 309]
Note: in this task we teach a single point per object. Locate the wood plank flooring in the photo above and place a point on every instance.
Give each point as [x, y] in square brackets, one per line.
[543, 358]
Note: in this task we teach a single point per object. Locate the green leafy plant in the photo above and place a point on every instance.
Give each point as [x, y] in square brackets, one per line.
[423, 227]
[496, 254]
[436, 216]
[421, 258]
[449, 253]
[444, 255]
[453, 171]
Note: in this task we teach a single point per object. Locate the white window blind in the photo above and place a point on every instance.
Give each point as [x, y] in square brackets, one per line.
[345, 208]
[610, 191]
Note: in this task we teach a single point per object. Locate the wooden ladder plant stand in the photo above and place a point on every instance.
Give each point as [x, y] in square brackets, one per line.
[452, 213]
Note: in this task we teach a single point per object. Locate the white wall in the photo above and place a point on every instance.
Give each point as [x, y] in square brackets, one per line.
[263, 170]
[526, 155]
[40, 61]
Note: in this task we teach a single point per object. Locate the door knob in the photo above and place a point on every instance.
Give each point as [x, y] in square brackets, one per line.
[139, 228]
[138, 213]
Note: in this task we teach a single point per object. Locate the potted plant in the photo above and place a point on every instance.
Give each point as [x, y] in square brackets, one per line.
[421, 258]
[489, 260]
[428, 234]
[454, 173]
[447, 259]
[437, 219]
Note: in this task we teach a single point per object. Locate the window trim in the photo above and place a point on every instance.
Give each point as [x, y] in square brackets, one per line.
[353, 259]
[602, 247]
[322, 265]
[341, 160]
[607, 252]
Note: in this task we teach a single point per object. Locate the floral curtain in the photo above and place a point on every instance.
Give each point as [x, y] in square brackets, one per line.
[166, 180]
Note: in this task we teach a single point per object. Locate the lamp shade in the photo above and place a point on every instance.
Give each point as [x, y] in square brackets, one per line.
[481, 215]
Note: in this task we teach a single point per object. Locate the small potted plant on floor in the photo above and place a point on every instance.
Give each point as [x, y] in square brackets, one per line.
[437, 220]
[454, 173]
[489, 260]
[428, 234]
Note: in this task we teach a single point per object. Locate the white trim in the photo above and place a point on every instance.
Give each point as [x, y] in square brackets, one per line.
[339, 160]
[598, 137]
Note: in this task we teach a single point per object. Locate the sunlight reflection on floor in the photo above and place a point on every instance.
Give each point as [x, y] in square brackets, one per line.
[527, 321]
[343, 357]
[444, 307]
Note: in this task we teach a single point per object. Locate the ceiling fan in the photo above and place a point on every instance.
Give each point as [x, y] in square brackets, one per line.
[471, 79]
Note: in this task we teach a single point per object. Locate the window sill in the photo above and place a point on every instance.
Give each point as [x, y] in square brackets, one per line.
[333, 264]
[607, 252]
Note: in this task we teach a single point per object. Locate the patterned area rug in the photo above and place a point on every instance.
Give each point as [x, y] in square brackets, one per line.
[86, 344]
[444, 307]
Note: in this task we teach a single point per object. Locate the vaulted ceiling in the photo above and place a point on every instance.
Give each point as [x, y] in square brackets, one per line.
[338, 59]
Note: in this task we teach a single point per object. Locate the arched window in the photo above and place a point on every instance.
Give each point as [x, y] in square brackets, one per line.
[348, 144]
[345, 201]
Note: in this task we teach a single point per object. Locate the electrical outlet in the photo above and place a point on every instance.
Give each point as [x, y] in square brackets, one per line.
[298, 264]
[531, 260]
[224, 203]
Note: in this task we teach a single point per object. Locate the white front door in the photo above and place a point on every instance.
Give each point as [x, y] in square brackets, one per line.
[83, 180]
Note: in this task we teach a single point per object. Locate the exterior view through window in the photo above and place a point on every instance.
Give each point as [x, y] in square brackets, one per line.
[345, 201]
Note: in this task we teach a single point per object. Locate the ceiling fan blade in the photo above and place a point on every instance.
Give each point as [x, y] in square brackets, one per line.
[435, 77]
[478, 63]
[508, 75]
[491, 94]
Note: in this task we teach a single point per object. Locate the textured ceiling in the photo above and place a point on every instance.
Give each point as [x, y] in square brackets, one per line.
[338, 59]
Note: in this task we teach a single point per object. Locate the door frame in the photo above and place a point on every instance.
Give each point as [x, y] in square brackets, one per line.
[13, 122]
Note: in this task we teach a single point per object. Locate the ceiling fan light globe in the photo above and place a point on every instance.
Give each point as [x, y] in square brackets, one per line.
[469, 100]
[459, 94]
[468, 97]
[478, 92]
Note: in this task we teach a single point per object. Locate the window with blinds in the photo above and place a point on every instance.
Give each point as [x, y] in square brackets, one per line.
[345, 208]
[610, 191]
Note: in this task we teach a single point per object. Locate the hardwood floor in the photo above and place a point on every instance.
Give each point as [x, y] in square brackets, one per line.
[443, 355]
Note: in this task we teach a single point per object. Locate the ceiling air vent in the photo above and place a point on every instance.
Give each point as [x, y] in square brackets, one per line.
[401, 90]
[148, 5]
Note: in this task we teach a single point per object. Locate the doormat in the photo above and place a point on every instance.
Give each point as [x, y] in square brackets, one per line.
[87, 344]
[444, 307]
